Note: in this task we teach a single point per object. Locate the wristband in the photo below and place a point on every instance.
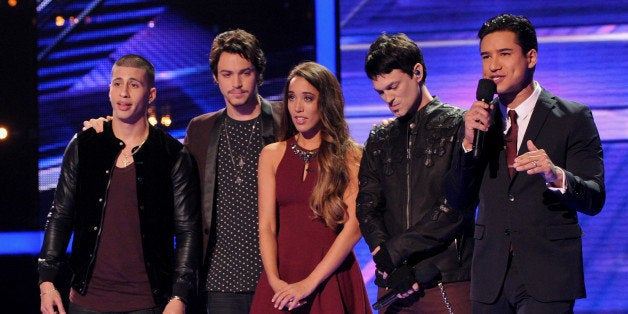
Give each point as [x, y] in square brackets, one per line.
[47, 291]
[176, 297]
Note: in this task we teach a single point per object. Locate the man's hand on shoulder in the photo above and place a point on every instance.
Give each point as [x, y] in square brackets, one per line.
[96, 123]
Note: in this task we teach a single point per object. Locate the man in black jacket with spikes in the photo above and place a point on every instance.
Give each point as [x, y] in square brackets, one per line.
[403, 213]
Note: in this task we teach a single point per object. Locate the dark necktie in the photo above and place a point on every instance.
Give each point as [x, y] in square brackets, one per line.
[511, 141]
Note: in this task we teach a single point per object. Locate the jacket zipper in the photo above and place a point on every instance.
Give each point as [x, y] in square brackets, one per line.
[408, 169]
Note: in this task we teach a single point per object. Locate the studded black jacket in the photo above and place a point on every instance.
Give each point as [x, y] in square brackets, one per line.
[401, 204]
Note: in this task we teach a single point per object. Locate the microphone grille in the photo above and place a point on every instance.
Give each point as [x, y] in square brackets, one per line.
[486, 90]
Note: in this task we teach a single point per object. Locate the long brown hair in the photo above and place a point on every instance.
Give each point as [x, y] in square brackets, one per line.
[337, 148]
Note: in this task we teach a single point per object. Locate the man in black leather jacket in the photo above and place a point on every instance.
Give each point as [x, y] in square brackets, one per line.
[403, 213]
[126, 194]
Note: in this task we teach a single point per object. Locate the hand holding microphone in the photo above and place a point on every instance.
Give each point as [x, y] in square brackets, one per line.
[423, 273]
[486, 90]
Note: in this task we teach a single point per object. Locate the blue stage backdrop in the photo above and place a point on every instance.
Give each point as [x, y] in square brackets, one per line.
[581, 57]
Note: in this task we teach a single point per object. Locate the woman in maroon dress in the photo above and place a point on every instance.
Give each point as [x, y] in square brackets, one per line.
[307, 185]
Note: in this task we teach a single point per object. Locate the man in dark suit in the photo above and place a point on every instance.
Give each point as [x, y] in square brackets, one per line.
[528, 248]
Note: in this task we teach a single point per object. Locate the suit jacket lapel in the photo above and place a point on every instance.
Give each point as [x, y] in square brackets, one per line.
[543, 107]
[269, 135]
[540, 113]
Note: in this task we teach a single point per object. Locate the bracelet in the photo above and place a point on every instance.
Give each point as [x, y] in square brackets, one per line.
[47, 291]
[176, 297]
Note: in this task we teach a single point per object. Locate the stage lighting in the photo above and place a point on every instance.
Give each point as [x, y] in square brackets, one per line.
[152, 116]
[59, 21]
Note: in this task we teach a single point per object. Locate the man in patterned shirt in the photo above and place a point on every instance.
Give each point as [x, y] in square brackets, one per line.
[226, 145]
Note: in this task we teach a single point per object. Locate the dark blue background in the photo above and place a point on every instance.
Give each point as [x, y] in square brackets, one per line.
[582, 57]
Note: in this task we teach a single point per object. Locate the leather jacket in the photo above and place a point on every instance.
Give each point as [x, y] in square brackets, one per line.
[168, 206]
[401, 204]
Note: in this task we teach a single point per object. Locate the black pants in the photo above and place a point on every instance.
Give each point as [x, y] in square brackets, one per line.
[514, 298]
[229, 303]
[76, 309]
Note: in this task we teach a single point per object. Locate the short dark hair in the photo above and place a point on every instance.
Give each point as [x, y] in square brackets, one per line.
[518, 24]
[388, 53]
[240, 42]
[137, 61]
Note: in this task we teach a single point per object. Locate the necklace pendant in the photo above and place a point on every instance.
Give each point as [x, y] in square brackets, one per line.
[241, 162]
[238, 180]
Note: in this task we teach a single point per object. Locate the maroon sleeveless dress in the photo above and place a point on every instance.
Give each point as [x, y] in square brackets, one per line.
[302, 242]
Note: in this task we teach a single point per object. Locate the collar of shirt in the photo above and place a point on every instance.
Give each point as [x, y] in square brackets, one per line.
[524, 112]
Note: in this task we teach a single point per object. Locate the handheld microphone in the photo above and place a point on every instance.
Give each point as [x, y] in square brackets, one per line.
[425, 273]
[486, 90]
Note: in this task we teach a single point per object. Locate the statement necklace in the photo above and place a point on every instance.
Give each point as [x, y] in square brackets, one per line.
[306, 156]
[240, 157]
